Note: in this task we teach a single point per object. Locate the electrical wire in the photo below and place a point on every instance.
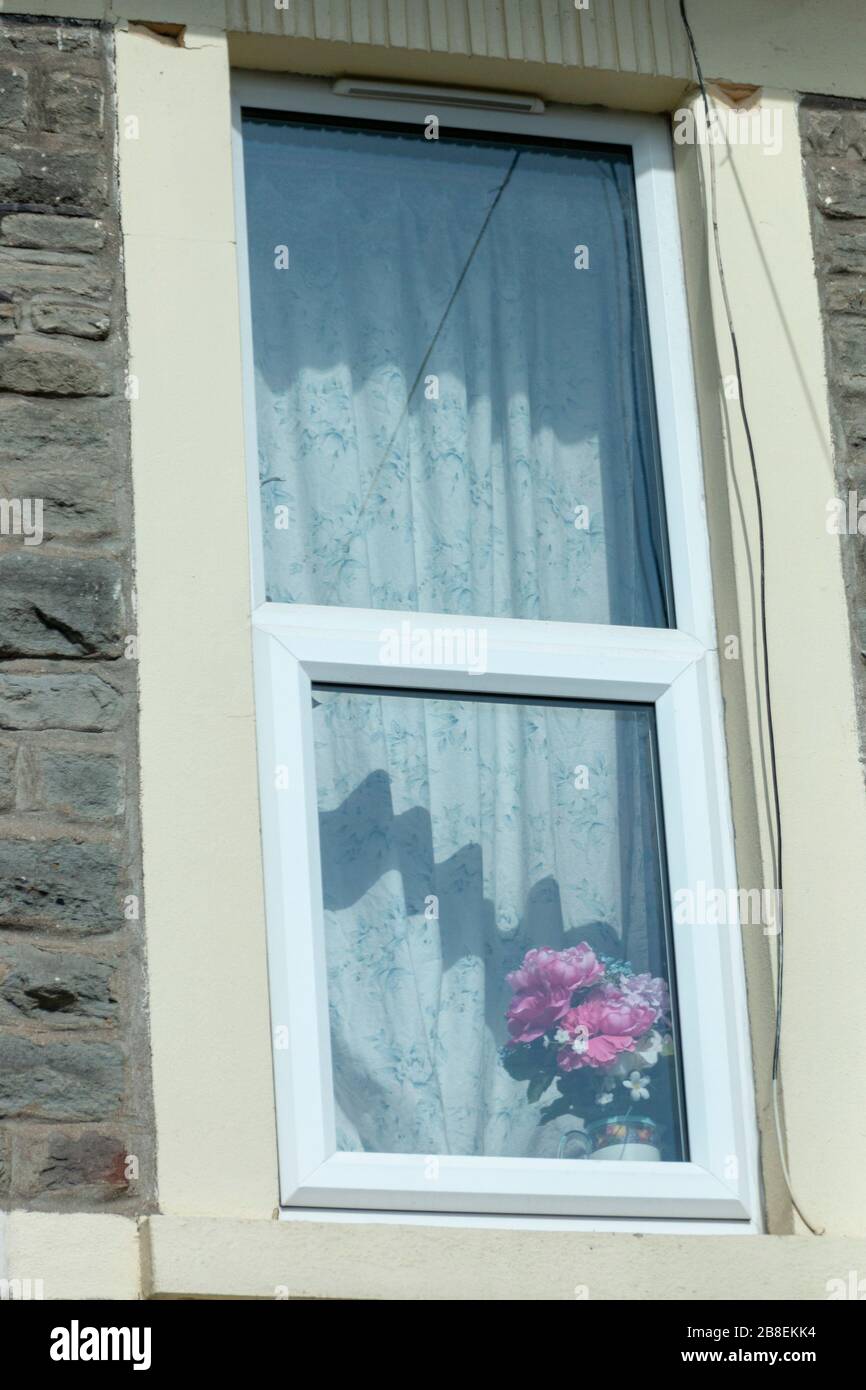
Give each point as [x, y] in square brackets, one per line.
[771, 738]
[427, 355]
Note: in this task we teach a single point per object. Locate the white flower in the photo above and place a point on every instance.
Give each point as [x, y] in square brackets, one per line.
[637, 1086]
[604, 1097]
[650, 1048]
[578, 1041]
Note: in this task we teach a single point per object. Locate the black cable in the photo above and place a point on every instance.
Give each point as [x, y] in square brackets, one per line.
[761, 548]
[759, 503]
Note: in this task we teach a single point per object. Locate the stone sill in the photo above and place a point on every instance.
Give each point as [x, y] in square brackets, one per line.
[200, 1257]
[92, 1256]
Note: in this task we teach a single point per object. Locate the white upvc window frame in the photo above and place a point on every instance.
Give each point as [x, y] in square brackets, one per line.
[676, 670]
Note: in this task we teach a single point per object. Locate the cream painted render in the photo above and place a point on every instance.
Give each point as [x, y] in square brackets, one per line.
[204, 914]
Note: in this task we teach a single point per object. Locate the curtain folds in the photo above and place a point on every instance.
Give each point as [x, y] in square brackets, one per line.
[453, 840]
[532, 410]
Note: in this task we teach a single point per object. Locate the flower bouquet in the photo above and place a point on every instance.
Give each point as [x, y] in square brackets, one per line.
[593, 1028]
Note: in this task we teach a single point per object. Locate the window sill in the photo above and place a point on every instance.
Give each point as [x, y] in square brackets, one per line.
[505, 1222]
[400, 1260]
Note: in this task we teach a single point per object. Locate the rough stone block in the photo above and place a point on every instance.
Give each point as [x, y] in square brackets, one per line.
[85, 785]
[71, 430]
[71, 102]
[86, 1168]
[8, 755]
[60, 885]
[59, 1080]
[77, 504]
[43, 231]
[55, 988]
[837, 192]
[59, 607]
[834, 131]
[854, 425]
[42, 39]
[842, 250]
[75, 701]
[846, 294]
[10, 316]
[77, 320]
[848, 340]
[14, 96]
[61, 275]
[89, 1167]
[37, 370]
[56, 180]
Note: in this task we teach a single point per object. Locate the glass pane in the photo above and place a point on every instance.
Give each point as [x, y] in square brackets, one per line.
[499, 976]
[453, 387]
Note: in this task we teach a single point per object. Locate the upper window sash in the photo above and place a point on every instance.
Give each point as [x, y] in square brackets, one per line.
[673, 382]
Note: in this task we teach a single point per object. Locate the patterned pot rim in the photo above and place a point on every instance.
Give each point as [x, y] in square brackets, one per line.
[630, 1121]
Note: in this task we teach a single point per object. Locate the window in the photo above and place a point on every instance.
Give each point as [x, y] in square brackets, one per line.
[491, 750]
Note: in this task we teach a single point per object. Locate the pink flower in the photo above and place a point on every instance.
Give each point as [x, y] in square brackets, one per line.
[615, 1011]
[544, 985]
[574, 968]
[605, 1024]
[531, 1015]
[648, 990]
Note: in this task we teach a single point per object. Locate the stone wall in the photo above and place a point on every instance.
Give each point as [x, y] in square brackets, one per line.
[75, 1120]
[834, 151]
